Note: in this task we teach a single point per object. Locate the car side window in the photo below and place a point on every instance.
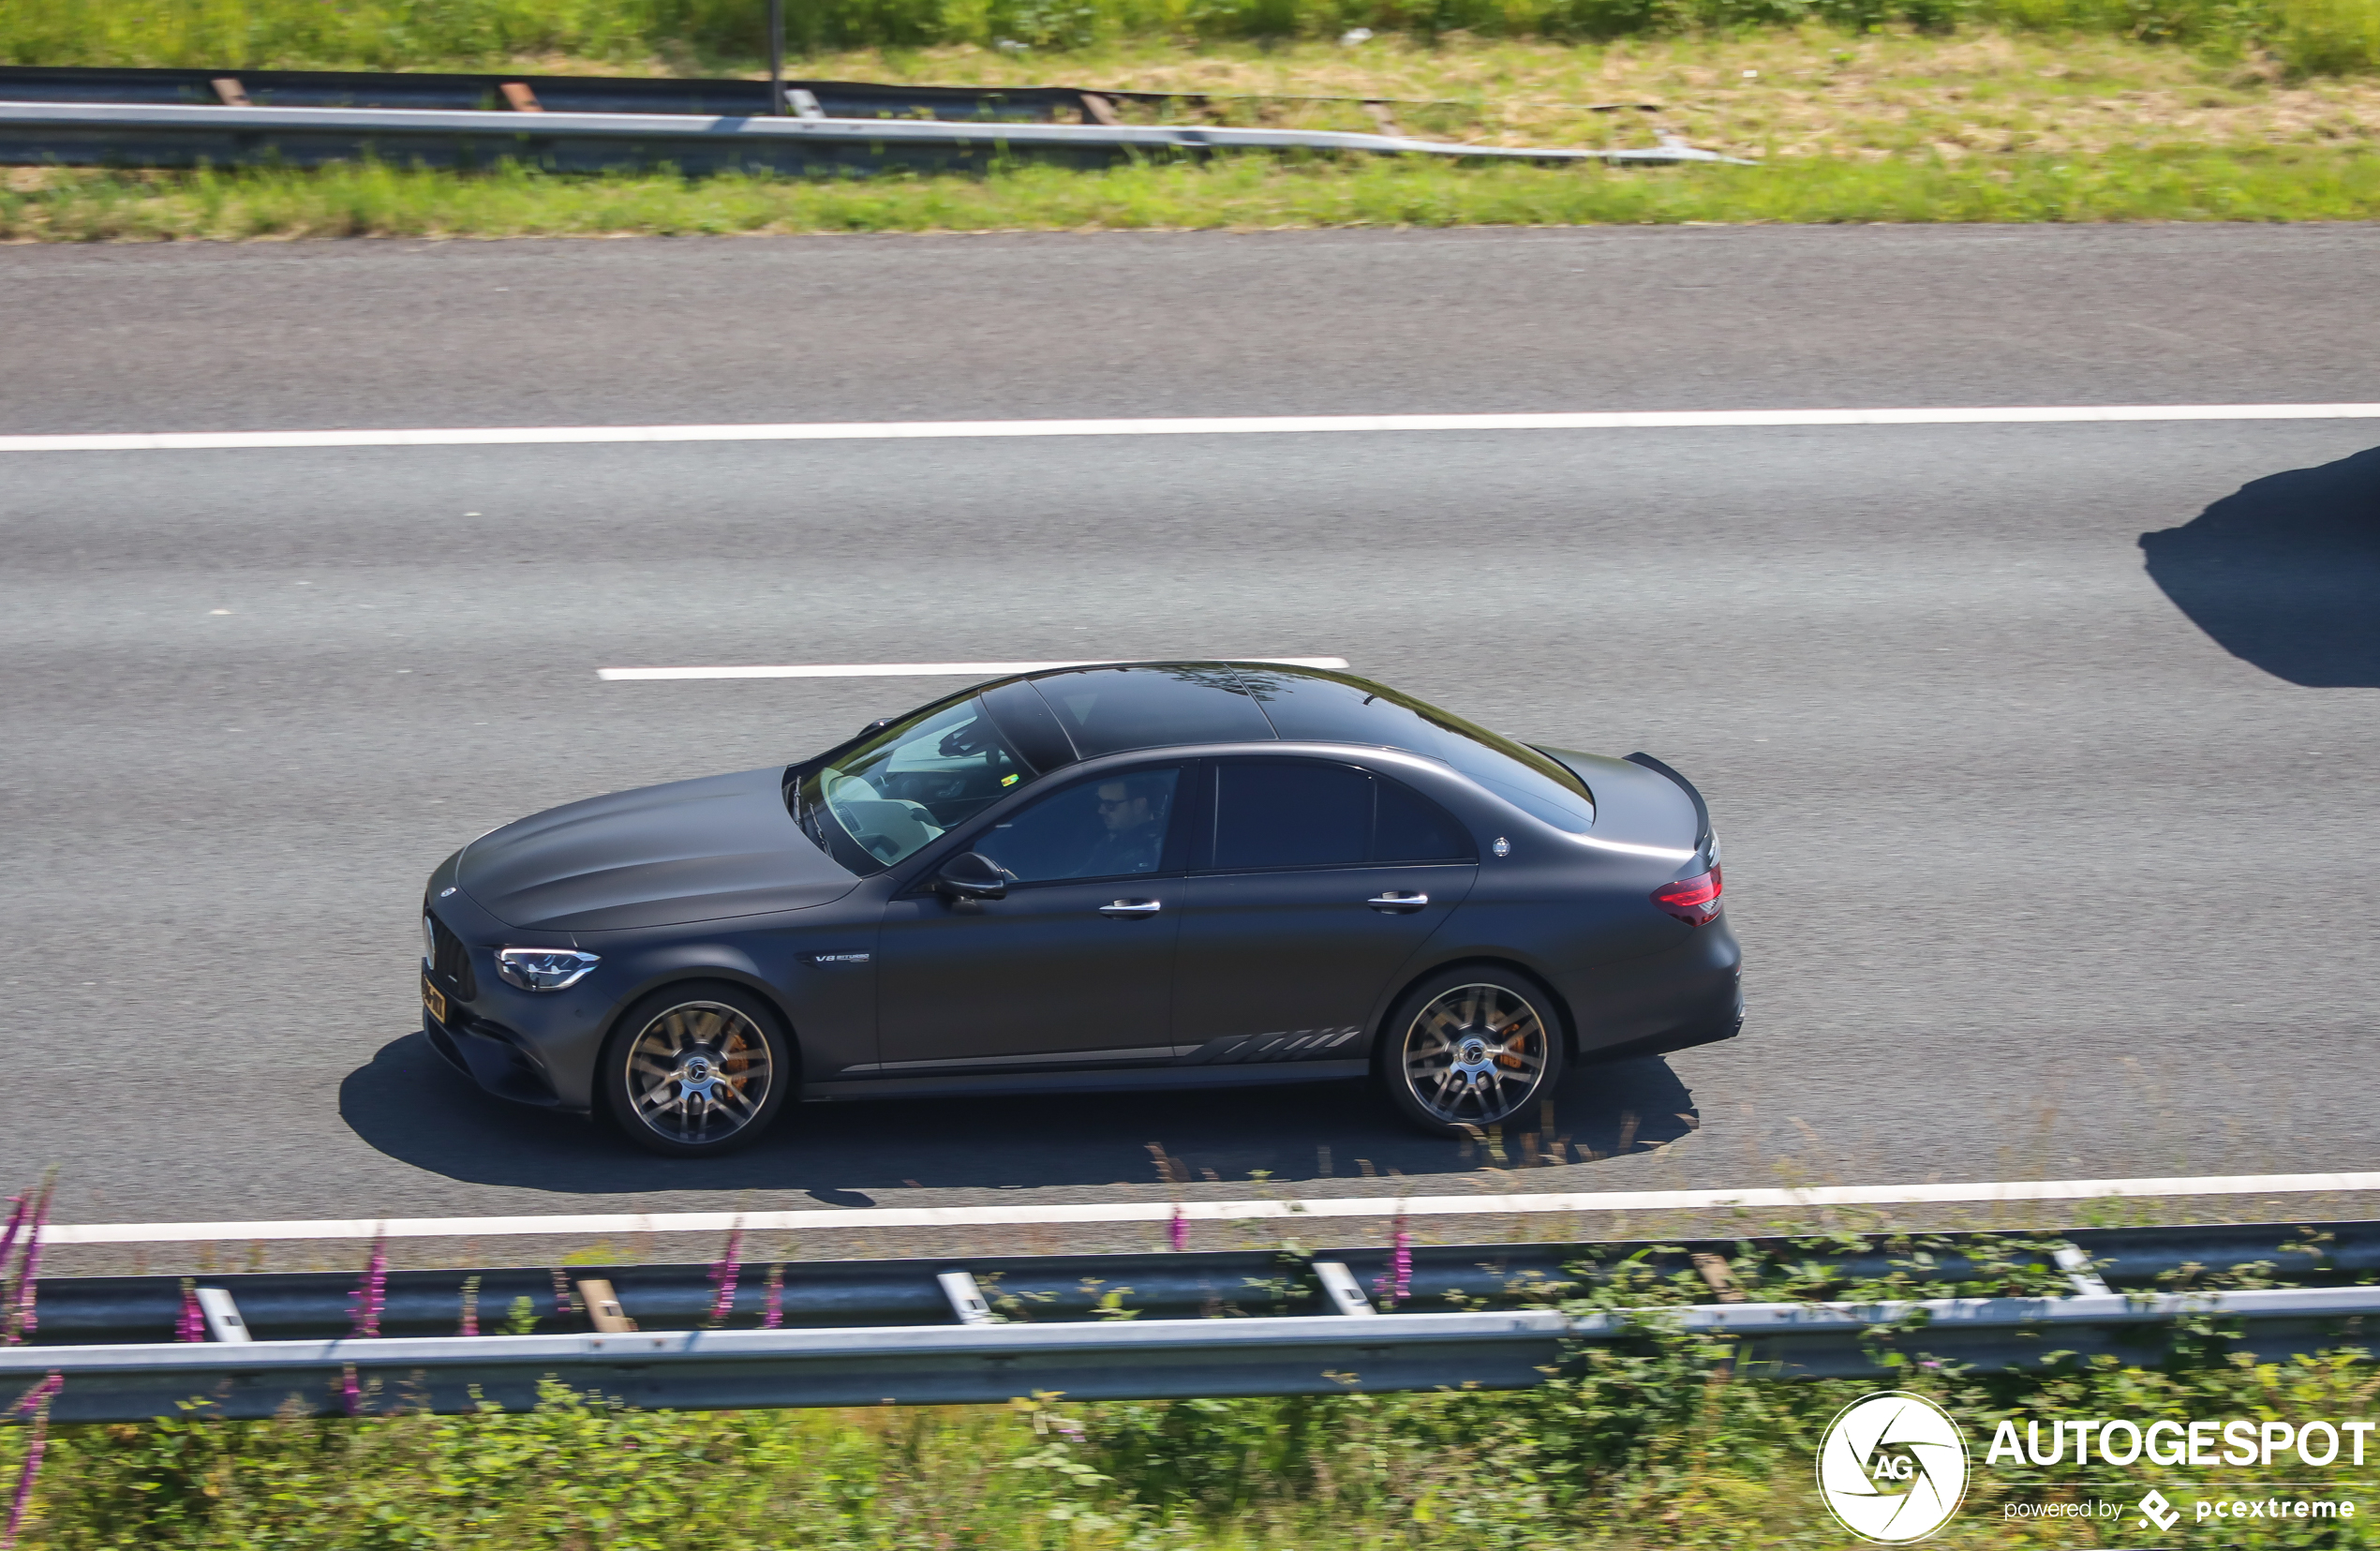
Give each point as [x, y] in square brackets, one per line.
[1112, 828]
[1275, 813]
[1409, 828]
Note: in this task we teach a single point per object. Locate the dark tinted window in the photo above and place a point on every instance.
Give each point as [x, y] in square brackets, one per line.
[1309, 703]
[1111, 828]
[1107, 711]
[1290, 815]
[1407, 828]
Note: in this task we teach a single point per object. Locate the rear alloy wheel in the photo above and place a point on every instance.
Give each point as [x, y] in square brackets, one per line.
[1470, 1048]
[694, 1070]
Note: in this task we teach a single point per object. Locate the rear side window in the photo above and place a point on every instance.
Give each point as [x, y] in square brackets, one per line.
[1283, 814]
[1290, 815]
[1407, 828]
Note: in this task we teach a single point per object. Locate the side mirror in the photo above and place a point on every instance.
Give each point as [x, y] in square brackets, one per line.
[971, 876]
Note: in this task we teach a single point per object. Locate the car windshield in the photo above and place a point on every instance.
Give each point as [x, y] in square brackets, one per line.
[883, 798]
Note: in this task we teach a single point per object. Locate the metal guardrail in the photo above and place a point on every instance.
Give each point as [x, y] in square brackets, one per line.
[566, 93]
[1439, 1278]
[1138, 1326]
[96, 134]
[726, 1369]
[587, 94]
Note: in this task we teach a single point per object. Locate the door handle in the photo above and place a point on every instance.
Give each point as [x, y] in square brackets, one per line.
[1132, 907]
[1396, 904]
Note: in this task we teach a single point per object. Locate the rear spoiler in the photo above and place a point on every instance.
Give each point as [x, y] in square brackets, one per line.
[1702, 809]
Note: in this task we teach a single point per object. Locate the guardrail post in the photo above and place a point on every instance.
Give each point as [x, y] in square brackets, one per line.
[2080, 1273]
[223, 1320]
[966, 1298]
[603, 1306]
[1339, 1285]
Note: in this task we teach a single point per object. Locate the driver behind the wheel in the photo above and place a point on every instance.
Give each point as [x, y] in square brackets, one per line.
[1133, 830]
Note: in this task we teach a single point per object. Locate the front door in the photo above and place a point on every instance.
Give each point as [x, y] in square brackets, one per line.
[1320, 880]
[1073, 967]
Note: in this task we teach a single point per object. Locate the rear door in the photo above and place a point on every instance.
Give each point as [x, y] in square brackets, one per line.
[1073, 967]
[1314, 882]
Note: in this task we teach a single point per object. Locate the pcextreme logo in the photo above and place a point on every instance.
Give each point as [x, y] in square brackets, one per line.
[1892, 1468]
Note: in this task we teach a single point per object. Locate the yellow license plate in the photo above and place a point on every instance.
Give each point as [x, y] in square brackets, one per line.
[433, 999]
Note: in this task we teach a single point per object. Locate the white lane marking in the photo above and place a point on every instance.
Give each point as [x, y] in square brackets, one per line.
[901, 430]
[1205, 1211]
[924, 670]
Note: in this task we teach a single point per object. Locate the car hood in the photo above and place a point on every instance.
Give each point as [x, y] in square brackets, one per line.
[689, 851]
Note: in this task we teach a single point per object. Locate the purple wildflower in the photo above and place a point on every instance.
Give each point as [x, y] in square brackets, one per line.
[38, 1396]
[22, 1319]
[37, 1401]
[17, 1210]
[192, 1325]
[470, 1325]
[373, 1295]
[350, 1393]
[774, 1313]
[1177, 1231]
[724, 1273]
[1396, 1284]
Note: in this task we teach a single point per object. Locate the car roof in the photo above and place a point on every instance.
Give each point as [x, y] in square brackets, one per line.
[1110, 707]
[1055, 717]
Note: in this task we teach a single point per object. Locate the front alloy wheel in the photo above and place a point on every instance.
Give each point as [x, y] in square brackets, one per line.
[695, 1071]
[1466, 1056]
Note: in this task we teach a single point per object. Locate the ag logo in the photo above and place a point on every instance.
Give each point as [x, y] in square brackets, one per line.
[1893, 1467]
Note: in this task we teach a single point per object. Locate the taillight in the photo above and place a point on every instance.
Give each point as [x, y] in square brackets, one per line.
[1693, 900]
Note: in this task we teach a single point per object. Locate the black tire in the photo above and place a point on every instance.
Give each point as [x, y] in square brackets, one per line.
[678, 1071]
[1467, 1049]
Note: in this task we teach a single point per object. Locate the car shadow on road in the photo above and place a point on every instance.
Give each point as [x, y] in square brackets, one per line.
[411, 1105]
[2285, 573]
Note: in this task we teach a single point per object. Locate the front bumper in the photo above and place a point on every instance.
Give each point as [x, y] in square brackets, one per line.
[492, 1056]
[529, 1046]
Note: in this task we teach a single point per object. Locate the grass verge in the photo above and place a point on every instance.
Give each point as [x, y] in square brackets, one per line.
[1245, 193]
[1663, 1441]
[2302, 36]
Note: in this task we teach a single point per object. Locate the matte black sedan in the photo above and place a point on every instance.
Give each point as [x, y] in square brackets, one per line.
[1137, 875]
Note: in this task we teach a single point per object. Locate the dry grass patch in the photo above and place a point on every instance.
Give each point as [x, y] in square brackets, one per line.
[1813, 92]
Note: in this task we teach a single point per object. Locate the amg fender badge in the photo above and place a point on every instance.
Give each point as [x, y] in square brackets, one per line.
[839, 958]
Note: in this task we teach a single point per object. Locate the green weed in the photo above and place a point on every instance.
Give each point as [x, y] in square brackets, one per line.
[1663, 1441]
[2284, 184]
[2308, 36]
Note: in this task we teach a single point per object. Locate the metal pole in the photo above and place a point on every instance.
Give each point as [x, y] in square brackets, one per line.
[777, 57]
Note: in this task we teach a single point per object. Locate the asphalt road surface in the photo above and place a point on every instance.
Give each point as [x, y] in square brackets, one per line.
[2051, 853]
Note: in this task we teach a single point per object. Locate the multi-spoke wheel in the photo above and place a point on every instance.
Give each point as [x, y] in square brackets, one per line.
[1466, 1050]
[696, 1070]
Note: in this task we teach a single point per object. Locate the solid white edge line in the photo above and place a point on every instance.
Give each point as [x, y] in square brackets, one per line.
[1203, 1211]
[918, 670]
[506, 436]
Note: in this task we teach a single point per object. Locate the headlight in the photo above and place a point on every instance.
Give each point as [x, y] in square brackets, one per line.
[544, 968]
